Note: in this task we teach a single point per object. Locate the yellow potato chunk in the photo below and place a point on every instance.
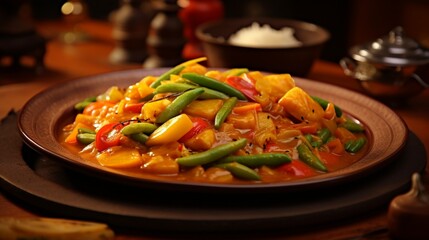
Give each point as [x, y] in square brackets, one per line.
[85, 119]
[151, 110]
[143, 87]
[243, 121]
[119, 157]
[113, 94]
[218, 175]
[204, 108]
[256, 75]
[202, 141]
[194, 68]
[132, 92]
[161, 165]
[301, 106]
[275, 85]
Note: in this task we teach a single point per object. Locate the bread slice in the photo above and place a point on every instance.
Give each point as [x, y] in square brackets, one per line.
[52, 229]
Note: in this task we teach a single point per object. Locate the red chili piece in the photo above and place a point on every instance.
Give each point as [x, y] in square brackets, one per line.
[198, 125]
[108, 136]
[247, 87]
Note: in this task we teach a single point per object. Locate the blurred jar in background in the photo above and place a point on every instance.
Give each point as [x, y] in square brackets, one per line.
[74, 12]
[130, 29]
[192, 14]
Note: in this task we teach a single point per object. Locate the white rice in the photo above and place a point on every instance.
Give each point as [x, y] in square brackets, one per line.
[264, 37]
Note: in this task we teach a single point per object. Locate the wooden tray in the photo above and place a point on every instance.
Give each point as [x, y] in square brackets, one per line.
[47, 185]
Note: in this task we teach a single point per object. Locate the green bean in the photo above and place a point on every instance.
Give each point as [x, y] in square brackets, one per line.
[240, 171]
[309, 137]
[85, 138]
[224, 111]
[236, 71]
[316, 143]
[178, 104]
[90, 99]
[324, 103]
[139, 137]
[213, 154]
[352, 126]
[80, 106]
[354, 146]
[309, 158]
[258, 160]
[214, 84]
[181, 87]
[148, 97]
[176, 70]
[85, 130]
[174, 87]
[324, 134]
[213, 94]
[134, 128]
[331, 138]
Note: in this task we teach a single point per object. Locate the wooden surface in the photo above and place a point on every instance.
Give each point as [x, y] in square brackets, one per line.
[65, 62]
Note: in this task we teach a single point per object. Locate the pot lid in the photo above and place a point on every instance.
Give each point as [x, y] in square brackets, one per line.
[395, 49]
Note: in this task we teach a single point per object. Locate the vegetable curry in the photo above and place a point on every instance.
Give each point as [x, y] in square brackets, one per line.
[201, 125]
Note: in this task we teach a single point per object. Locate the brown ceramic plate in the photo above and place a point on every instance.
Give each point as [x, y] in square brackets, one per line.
[43, 117]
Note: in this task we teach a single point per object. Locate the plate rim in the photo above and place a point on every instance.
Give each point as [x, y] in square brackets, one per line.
[328, 179]
[25, 183]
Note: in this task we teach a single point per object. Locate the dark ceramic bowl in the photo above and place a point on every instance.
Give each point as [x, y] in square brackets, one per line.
[294, 60]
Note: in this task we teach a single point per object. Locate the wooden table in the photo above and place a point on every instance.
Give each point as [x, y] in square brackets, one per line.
[65, 62]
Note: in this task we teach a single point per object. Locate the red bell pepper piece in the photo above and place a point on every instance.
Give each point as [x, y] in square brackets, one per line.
[244, 85]
[198, 125]
[108, 136]
[134, 107]
[298, 169]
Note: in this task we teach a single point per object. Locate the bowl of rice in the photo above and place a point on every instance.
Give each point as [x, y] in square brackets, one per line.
[266, 44]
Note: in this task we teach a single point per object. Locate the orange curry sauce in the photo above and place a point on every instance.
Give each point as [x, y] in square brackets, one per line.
[275, 117]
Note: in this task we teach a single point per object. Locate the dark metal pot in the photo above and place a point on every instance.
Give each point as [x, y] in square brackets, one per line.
[386, 68]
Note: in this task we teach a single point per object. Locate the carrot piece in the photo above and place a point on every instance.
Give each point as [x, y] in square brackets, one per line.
[247, 107]
[71, 139]
[335, 146]
[306, 127]
[344, 135]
